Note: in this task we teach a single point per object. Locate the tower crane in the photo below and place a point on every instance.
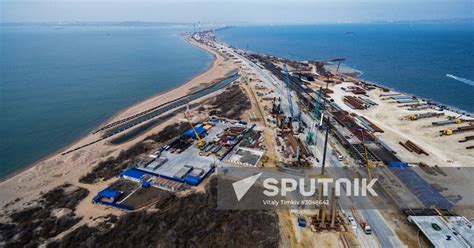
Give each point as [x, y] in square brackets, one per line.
[310, 136]
[288, 94]
[368, 164]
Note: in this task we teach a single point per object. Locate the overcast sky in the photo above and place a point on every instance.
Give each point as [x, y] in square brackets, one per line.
[230, 11]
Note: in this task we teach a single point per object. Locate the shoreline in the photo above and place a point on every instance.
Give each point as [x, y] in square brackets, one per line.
[437, 103]
[359, 76]
[117, 115]
[121, 113]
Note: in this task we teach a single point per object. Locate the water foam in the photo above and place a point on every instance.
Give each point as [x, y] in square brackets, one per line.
[460, 79]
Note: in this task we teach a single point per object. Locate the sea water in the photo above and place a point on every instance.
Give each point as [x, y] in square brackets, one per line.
[59, 83]
[431, 60]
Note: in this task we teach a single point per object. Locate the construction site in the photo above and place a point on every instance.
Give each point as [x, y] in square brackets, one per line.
[185, 161]
[321, 118]
[305, 116]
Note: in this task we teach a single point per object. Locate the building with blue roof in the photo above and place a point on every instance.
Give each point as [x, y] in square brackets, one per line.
[192, 180]
[132, 174]
[108, 195]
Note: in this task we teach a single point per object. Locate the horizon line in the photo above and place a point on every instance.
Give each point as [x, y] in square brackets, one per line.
[374, 21]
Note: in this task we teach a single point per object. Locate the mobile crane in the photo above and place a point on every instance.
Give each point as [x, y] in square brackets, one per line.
[187, 115]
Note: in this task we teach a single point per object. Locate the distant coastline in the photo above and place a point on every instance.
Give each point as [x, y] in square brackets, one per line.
[217, 25]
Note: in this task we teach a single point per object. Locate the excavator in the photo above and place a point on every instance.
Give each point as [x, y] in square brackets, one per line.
[449, 131]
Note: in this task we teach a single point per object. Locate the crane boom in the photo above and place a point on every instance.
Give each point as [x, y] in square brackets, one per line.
[187, 115]
[288, 93]
[317, 104]
[366, 155]
[200, 141]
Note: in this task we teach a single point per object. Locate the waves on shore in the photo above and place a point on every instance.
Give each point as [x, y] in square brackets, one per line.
[460, 79]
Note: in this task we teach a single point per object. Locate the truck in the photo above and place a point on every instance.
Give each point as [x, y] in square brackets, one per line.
[365, 227]
[301, 221]
[337, 154]
[362, 223]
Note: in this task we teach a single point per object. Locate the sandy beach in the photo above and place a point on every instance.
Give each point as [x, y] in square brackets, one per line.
[20, 189]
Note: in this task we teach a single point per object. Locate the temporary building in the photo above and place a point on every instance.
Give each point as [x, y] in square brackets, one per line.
[192, 180]
[132, 174]
[109, 195]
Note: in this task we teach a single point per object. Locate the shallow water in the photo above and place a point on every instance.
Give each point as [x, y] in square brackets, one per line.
[57, 84]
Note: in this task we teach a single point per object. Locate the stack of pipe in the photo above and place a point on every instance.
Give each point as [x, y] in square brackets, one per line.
[354, 102]
[412, 147]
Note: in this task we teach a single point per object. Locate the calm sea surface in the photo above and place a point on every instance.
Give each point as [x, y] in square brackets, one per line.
[434, 61]
[58, 83]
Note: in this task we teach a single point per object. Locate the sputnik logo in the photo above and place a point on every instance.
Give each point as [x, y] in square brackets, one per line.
[241, 187]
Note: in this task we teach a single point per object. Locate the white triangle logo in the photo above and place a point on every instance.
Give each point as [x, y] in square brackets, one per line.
[242, 186]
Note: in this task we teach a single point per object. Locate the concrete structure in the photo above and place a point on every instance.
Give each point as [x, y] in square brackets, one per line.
[440, 234]
[246, 156]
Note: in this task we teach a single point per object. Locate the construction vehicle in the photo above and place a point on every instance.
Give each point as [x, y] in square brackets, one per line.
[201, 143]
[301, 221]
[365, 227]
[362, 223]
[447, 122]
[449, 131]
[457, 120]
[187, 112]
